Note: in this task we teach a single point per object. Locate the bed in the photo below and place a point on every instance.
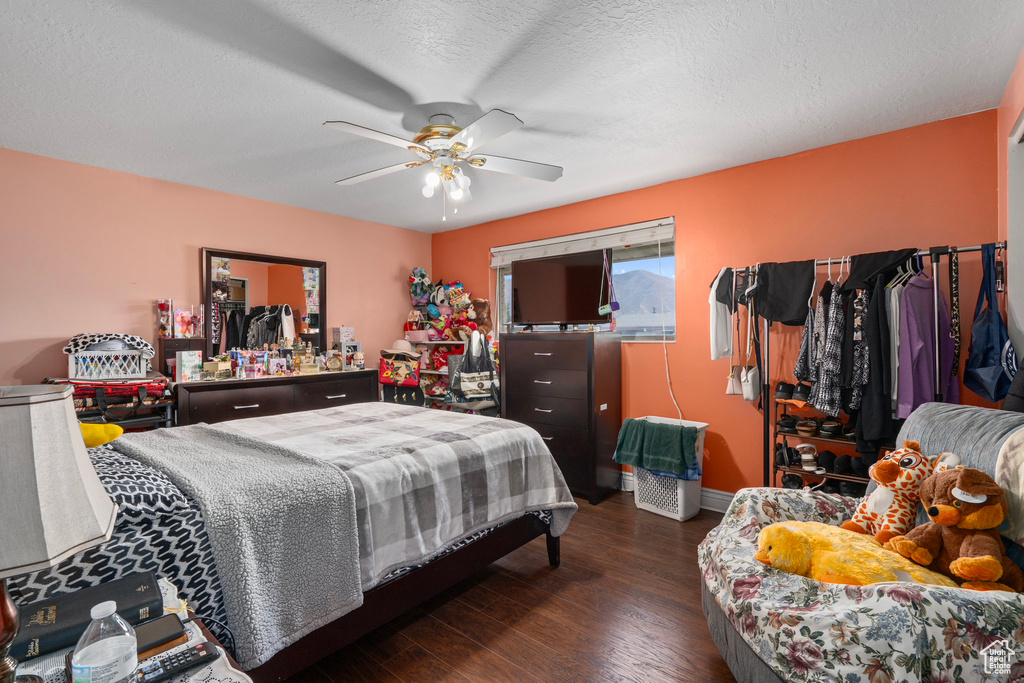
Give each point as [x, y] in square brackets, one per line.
[435, 497]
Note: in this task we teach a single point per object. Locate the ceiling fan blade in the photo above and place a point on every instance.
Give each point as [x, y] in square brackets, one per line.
[490, 126]
[370, 175]
[376, 135]
[530, 169]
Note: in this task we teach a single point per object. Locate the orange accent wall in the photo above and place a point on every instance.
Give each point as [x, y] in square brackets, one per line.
[87, 249]
[1010, 107]
[929, 185]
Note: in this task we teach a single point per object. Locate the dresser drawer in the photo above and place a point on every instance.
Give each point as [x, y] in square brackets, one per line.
[564, 354]
[562, 441]
[234, 404]
[570, 449]
[548, 382]
[549, 410]
[316, 395]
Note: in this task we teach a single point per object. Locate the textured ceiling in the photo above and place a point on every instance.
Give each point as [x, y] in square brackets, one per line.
[231, 94]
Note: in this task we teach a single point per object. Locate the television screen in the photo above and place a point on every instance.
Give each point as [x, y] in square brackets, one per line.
[559, 290]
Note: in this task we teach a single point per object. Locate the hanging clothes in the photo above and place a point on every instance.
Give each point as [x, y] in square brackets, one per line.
[818, 336]
[782, 289]
[874, 421]
[865, 267]
[721, 328]
[917, 348]
[829, 394]
[861, 361]
[287, 323]
[805, 369]
[893, 294]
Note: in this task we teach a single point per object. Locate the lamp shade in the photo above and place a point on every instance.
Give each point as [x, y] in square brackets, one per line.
[52, 504]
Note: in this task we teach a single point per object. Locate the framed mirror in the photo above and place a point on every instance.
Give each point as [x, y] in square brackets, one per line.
[258, 298]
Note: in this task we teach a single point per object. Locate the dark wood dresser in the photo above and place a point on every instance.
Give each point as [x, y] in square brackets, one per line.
[568, 386]
[233, 399]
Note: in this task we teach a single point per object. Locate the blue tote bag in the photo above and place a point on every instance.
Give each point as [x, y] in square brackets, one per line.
[991, 362]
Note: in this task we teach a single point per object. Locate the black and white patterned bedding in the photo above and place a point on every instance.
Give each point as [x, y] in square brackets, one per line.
[158, 528]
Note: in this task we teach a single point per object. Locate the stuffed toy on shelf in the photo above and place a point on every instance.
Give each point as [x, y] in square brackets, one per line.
[966, 507]
[482, 316]
[832, 555]
[891, 509]
[420, 287]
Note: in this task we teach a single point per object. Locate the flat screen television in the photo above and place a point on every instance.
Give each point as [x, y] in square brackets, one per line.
[563, 290]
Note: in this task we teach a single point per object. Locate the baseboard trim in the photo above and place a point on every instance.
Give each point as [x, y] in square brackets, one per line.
[714, 500]
[710, 499]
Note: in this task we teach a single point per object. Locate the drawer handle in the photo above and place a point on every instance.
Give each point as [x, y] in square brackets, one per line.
[542, 410]
[336, 396]
[542, 354]
[538, 381]
[254, 405]
[548, 438]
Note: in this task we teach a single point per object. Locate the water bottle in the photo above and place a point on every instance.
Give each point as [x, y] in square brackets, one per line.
[107, 651]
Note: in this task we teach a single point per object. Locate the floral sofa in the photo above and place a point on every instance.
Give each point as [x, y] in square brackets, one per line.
[771, 625]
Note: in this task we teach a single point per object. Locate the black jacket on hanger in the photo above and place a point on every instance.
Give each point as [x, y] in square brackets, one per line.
[875, 426]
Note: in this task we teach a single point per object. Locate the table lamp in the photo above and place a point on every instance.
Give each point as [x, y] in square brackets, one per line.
[51, 502]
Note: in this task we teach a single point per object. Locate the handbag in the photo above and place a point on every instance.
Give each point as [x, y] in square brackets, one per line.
[399, 372]
[750, 376]
[733, 386]
[991, 361]
[476, 379]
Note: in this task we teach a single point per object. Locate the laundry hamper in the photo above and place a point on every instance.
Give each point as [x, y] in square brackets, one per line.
[668, 496]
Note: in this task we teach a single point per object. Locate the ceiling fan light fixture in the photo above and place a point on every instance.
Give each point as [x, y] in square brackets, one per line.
[456, 194]
[432, 178]
[428, 191]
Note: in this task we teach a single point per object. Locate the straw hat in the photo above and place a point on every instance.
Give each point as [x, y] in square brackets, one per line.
[400, 347]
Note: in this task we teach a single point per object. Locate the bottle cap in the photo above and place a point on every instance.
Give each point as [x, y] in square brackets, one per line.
[103, 610]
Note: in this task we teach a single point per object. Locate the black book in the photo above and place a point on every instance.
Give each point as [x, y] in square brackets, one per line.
[58, 622]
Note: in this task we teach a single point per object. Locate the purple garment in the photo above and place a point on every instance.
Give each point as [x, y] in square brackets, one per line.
[917, 348]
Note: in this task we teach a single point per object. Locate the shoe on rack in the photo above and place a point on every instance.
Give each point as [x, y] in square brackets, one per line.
[792, 481]
[802, 392]
[784, 390]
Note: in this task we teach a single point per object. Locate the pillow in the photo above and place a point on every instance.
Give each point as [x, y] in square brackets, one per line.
[134, 486]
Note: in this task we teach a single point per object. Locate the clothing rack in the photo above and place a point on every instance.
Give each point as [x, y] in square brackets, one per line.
[935, 255]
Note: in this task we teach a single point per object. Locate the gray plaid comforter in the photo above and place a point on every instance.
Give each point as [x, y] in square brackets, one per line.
[423, 478]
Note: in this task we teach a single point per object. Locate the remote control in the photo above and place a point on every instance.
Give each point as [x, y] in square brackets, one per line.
[172, 665]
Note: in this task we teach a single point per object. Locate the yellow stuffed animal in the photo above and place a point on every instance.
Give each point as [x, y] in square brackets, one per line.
[99, 434]
[835, 555]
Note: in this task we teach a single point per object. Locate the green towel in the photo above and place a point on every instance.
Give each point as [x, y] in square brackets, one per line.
[657, 446]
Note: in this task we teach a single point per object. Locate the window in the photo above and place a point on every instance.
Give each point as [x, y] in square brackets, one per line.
[643, 274]
[645, 287]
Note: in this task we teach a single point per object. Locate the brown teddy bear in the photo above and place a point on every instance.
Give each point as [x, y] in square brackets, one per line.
[482, 316]
[966, 507]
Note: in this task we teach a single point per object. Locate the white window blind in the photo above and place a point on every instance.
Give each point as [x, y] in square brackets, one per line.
[637, 234]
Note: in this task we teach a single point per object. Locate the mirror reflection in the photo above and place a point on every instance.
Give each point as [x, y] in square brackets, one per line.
[255, 303]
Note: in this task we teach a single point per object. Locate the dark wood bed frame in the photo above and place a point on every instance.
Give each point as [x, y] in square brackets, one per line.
[384, 603]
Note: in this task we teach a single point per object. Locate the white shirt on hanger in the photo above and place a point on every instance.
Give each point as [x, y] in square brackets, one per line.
[287, 323]
[721, 327]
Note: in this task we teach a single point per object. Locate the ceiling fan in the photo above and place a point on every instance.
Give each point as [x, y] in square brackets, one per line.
[445, 147]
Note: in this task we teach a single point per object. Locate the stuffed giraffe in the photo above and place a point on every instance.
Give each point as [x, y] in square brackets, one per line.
[891, 509]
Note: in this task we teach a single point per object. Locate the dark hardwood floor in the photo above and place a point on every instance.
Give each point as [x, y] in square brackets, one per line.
[624, 606]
